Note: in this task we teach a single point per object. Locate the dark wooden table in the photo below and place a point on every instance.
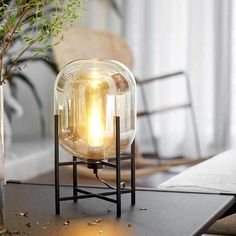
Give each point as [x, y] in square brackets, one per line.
[166, 214]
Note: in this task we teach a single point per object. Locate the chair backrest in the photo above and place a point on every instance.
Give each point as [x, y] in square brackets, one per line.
[81, 43]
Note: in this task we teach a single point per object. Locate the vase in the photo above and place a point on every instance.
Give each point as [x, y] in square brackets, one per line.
[2, 173]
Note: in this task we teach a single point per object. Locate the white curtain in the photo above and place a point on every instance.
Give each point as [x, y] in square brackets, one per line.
[196, 36]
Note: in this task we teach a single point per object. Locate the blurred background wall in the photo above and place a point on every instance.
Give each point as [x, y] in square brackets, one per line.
[196, 36]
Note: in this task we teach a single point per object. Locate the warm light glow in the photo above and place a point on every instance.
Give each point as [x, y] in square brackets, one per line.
[95, 124]
[95, 134]
[94, 75]
[106, 227]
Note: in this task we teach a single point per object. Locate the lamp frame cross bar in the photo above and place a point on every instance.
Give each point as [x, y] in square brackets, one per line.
[117, 190]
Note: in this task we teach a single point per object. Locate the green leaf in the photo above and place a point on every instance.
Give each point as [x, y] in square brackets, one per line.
[12, 19]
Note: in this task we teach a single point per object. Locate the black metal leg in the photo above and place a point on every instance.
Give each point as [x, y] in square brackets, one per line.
[149, 123]
[56, 152]
[75, 179]
[133, 173]
[118, 192]
[194, 120]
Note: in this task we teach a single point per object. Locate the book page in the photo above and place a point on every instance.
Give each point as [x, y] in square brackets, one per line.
[218, 174]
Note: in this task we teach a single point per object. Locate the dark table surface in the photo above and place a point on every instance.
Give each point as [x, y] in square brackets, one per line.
[166, 214]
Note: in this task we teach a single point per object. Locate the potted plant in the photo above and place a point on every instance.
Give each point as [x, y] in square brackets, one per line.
[25, 30]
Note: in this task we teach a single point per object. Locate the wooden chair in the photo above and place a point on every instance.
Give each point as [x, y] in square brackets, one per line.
[86, 43]
[81, 43]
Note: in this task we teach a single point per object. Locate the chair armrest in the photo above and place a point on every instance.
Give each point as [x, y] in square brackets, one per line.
[160, 77]
[166, 109]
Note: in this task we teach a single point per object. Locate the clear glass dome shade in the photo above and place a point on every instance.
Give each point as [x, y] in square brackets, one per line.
[88, 95]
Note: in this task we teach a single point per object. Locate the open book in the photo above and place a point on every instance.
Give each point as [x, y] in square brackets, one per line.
[217, 174]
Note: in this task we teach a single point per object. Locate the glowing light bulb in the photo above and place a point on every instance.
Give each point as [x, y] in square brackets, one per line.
[95, 134]
[95, 124]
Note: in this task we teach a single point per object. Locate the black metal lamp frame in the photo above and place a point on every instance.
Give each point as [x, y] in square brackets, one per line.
[95, 165]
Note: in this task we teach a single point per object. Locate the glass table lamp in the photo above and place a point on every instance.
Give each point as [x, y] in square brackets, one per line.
[95, 116]
[88, 95]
